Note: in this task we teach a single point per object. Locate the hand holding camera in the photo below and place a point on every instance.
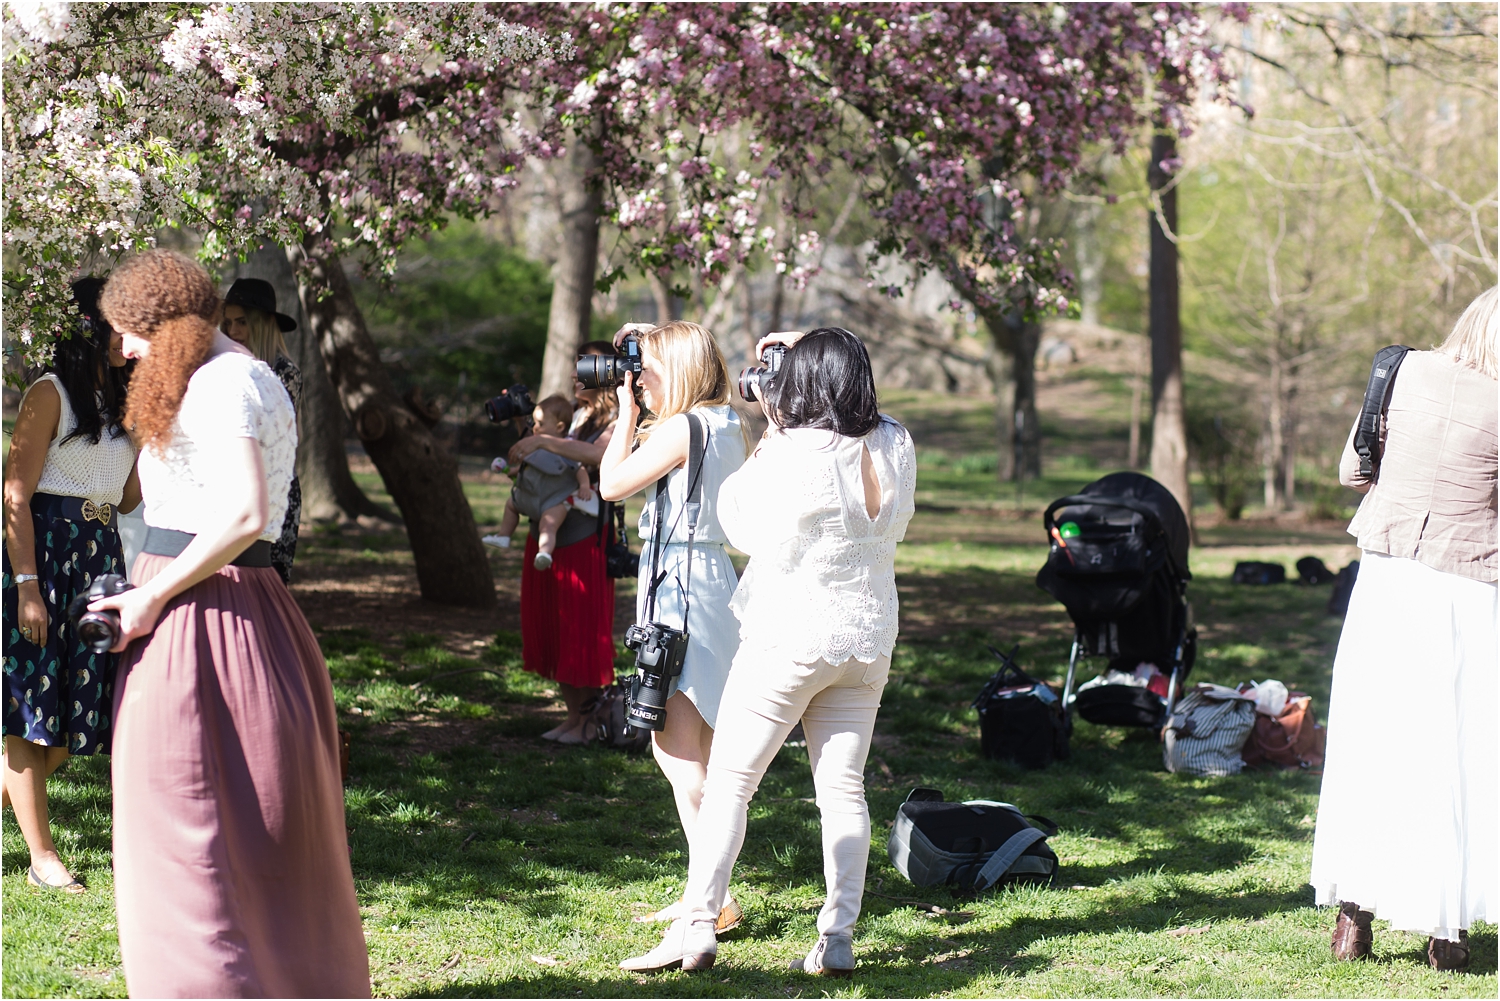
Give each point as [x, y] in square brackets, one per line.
[98, 629]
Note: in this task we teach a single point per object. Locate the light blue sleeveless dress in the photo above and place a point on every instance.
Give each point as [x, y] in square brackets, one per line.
[713, 631]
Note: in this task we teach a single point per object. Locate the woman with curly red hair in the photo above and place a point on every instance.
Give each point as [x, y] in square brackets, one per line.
[232, 874]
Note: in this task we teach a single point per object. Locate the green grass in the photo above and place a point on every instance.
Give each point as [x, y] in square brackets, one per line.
[489, 864]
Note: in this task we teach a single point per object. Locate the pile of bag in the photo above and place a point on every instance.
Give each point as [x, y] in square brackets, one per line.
[1310, 570]
[1215, 730]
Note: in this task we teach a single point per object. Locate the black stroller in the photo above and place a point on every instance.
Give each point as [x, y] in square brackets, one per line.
[1119, 564]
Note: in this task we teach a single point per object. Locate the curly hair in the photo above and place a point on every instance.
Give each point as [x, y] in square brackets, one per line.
[172, 302]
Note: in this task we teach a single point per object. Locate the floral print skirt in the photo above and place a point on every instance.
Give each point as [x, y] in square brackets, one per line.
[60, 693]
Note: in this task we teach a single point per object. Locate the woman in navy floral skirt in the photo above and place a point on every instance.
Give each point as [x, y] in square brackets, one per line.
[70, 472]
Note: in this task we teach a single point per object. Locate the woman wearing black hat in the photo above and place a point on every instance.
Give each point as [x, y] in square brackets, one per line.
[250, 318]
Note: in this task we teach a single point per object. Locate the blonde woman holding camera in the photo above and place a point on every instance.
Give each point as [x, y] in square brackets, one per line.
[682, 373]
[819, 508]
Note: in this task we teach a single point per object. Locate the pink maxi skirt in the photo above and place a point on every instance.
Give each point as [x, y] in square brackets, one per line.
[232, 874]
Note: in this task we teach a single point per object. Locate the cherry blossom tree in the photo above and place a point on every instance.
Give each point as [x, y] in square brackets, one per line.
[326, 128]
[704, 113]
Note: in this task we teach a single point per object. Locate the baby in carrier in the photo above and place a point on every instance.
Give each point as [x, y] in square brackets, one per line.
[547, 486]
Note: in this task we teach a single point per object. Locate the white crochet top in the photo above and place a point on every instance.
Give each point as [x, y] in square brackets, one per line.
[230, 396]
[80, 468]
[822, 576]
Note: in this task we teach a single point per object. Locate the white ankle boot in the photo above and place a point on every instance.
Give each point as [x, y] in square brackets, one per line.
[833, 956]
[689, 944]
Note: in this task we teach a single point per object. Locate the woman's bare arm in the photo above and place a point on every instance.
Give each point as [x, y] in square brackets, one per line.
[242, 515]
[131, 498]
[590, 453]
[36, 426]
[625, 468]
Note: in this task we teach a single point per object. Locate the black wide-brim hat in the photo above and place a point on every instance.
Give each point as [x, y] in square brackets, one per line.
[257, 293]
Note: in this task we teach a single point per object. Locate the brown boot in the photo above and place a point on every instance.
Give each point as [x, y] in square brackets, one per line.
[1352, 936]
[1443, 954]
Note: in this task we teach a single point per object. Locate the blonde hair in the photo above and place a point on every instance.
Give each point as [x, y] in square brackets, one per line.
[1475, 340]
[264, 339]
[694, 373]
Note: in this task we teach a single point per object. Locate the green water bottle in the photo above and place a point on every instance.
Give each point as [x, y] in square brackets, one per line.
[1069, 530]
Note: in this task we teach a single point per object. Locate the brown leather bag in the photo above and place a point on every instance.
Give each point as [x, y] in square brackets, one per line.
[1295, 739]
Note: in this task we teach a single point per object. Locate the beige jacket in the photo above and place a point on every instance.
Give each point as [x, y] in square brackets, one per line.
[1433, 498]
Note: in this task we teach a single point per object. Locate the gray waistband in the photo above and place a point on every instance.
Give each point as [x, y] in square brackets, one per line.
[171, 542]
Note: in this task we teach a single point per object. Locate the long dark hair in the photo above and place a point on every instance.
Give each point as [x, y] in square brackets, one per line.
[826, 383]
[81, 363]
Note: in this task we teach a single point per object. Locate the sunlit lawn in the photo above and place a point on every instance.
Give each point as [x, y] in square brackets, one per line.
[491, 864]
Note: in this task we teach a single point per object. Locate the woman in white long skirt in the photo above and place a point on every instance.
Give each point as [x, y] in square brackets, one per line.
[1407, 820]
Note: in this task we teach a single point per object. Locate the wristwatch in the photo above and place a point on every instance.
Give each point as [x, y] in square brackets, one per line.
[22, 578]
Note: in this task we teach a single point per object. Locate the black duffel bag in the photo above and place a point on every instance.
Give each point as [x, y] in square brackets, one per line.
[974, 845]
[1021, 719]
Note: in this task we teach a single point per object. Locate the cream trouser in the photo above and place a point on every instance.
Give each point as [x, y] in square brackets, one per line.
[763, 700]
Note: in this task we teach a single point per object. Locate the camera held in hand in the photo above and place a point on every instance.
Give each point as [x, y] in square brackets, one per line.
[608, 371]
[513, 402]
[659, 653]
[756, 380]
[98, 630]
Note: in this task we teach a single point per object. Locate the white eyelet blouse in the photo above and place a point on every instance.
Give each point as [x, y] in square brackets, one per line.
[821, 583]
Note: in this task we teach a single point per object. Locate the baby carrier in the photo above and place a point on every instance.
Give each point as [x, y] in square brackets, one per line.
[1119, 564]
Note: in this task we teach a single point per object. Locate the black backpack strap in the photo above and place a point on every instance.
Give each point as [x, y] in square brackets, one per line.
[1377, 398]
[697, 455]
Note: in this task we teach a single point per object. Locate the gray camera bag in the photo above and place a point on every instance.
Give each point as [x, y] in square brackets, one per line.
[974, 845]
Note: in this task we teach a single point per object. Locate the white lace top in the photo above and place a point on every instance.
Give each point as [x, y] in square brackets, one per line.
[80, 468]
[822, 576]
[230, 396]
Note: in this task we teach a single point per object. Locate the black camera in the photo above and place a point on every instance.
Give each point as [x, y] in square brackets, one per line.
[98, 630]
[608, 371]
[756, 380]
[513, 402]
[659, 653]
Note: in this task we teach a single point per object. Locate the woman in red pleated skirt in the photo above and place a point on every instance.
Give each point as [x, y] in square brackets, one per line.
[568, 610]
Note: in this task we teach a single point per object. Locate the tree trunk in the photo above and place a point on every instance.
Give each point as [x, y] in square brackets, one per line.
[1133, 458]
[329, 493]
[1169, 455]
[571, 315]
[1028, 430]
[1090, 258]
[420, 474]
[666, 303]
[1274, 446]
[1002, 366]
[1289, 440]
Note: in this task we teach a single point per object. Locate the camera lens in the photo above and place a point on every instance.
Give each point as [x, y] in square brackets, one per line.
[600, 371]
[99, 630]
[647, 710]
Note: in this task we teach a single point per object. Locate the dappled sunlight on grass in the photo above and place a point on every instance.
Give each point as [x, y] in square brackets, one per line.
[490, 863]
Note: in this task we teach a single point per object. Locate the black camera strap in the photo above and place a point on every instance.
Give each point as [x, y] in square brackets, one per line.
[697, 454]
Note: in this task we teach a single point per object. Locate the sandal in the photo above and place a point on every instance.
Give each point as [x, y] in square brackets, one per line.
[72, 886]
